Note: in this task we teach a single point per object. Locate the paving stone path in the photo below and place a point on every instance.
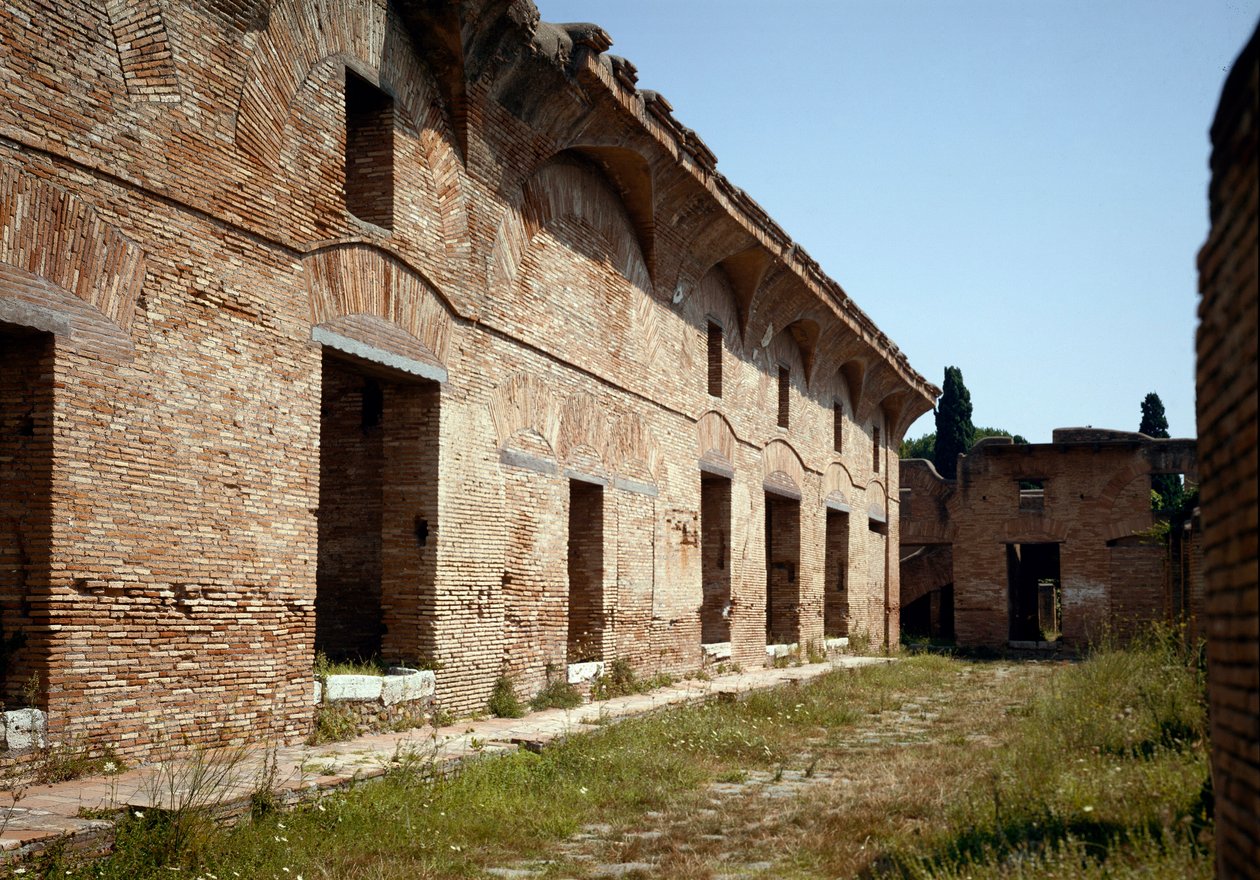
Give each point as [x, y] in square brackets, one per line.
[735, 830]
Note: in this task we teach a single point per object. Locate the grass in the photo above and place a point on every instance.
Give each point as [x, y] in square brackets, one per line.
[929, 767]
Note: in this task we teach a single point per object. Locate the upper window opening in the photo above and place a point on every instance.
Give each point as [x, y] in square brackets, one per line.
[1032, 495]
[875, 448]
[837, 426]
[369, 152]
[715, 359]
[785, 377]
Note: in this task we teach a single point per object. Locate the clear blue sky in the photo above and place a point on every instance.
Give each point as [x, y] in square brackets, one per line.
[1014, 187]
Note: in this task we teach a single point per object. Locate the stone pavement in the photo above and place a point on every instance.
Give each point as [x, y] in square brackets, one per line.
[226, 781]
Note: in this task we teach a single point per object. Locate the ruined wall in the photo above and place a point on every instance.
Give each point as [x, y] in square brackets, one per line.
[526, 251]
[1227, 417]
[1094, 504]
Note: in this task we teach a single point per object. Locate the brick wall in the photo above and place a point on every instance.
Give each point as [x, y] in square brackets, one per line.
[185, 225]
[1094, 504]
[1226, 384]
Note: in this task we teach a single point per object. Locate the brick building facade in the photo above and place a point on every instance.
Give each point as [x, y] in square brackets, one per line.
[1037, 541]
[1226, 384]
[411, 329]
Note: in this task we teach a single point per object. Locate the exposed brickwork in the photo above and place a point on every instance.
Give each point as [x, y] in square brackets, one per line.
[1227, 419]
[535, 312]
[991, 541]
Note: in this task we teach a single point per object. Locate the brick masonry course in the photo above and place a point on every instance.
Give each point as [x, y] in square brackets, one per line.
[232, 344]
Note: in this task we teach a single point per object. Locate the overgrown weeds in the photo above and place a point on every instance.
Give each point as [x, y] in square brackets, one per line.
[1105, 769]
[926, 767]
[504, 702]
[556, 694]
[620, 680]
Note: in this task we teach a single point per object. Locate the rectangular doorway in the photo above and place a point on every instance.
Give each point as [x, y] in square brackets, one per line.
[26, 456]
[378, 479]
[1032, 572]
[715, 559]
[783, 562]
[836, 579]
[586, 571]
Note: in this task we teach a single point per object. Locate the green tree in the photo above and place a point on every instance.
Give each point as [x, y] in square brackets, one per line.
[1154, 422]
[981, 433]
[922, 447]
[954, 430]
[1167, 487]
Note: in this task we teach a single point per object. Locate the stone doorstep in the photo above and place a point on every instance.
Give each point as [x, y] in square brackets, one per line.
[22, 729]
[27, 831]
[782, 650]
[386, 689]
[717, 650]
[580, 672]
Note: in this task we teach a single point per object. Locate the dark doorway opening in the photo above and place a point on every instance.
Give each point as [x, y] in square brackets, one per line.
[930, 615]
[1032, 572]
[783, 562]
[376, 563]
[715, 556]
[26, 454]
[586, 571]
[836, 581]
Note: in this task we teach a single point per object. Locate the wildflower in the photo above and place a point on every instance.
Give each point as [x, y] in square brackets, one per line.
[1088, 808]
[109, 767]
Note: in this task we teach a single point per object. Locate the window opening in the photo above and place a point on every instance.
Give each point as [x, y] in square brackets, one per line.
[715, 359]
[837, 426]
[1032, 495]
[785, 377]
[875, 448]
[369, 159]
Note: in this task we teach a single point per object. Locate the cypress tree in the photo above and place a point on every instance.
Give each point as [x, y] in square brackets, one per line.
[954, 430]
[1154, 422]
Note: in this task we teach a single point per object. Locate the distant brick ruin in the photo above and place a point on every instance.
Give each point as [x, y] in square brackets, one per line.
[1226, 384]
[1044, 543]
[412, 330]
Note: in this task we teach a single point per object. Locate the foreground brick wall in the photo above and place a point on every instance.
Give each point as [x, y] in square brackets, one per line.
[531, 287]
[1095, 507]
[1227, 417]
